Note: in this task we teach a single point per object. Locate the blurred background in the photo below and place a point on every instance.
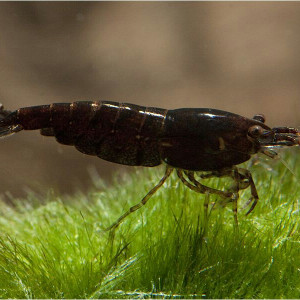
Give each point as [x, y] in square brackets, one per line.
[236, 56]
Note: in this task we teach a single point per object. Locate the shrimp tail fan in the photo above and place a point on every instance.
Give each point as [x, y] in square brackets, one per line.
[7, 126]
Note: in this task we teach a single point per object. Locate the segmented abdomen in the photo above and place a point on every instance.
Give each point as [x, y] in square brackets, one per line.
[118, 132]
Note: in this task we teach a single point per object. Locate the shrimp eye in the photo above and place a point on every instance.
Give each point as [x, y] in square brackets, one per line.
[260, 118]
[255, 131]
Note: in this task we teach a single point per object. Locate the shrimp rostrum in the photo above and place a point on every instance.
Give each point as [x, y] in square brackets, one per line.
[186, 140]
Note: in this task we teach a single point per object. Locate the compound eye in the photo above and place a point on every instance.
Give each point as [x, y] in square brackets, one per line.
[255, 131]
[260, 118]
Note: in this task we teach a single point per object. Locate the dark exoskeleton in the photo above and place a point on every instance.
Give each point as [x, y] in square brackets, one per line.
[187, 139]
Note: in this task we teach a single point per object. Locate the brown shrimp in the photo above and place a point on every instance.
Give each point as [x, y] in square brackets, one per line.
[186, 139]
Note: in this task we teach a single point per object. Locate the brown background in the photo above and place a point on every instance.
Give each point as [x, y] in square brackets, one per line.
[237, 56]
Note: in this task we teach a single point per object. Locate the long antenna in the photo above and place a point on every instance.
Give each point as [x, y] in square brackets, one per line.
[286, 165]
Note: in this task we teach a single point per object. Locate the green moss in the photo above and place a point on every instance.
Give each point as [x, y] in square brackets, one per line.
[58, 249]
